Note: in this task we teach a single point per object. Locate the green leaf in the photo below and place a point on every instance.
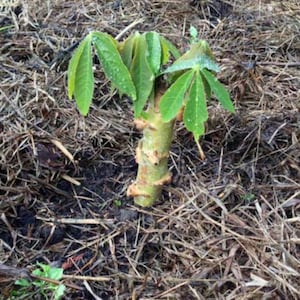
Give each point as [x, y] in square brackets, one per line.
[154, 51]
[207, 88]
[114, 68]
[172, 100]
[55, 273]
[203, 61]
[195, 112]
[43, 270]
[23, 282]
[219, 90]
[80, 76]
[193, 32]
[6, 27]
[142, 75]
[126, 49]
[59, 292]
[48, 271]
[72, 67]
[167, 48]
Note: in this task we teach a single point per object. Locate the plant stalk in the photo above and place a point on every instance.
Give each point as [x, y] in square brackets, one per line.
[152, 156]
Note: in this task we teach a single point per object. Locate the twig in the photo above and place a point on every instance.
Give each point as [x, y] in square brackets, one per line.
[90, 278]
[127, 28]
[87, 286]
[57, 282]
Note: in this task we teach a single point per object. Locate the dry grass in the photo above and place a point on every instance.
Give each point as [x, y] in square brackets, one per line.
[228, 227]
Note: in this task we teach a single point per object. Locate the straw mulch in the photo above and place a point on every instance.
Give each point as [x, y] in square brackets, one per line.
[227, 227]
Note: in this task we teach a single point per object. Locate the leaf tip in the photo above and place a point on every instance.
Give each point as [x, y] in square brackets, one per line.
[70, 94]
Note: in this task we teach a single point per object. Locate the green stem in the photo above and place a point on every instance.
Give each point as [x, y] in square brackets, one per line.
[152, 156]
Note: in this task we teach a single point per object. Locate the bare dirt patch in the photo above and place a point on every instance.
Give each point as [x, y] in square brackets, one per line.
[226, 228]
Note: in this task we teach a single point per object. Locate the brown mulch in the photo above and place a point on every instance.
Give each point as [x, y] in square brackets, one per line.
[228, 227]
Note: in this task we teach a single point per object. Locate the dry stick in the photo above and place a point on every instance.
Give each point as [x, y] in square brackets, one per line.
[57, 282]
[70, 179]
[165, 293]
[97, 241]
[127, 28]
[90, 278]
[75, 221]
[87, 286]
[275, 133]
[63, 149]
[285, 64]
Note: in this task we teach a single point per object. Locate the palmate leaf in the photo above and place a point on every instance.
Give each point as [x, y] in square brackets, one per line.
[219, 90]
[207, 88]
[198, 56]
[141, 74]
[72, 67]
[172, 100]
[154, 51]
[167, 48]
[203, 61]
[126, 49]
[112, 64]
[199, 50]
[195, 112]
[80, 76]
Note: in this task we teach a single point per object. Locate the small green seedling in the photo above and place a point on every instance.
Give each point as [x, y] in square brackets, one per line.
[117, 203]
[248, 197]
[194, 35]
[48, 290]
[139, 67]
[6, 27]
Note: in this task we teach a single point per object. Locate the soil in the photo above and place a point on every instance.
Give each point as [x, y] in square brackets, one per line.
[227, 227]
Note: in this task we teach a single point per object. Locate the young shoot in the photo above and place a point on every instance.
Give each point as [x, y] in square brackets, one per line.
[138, 67]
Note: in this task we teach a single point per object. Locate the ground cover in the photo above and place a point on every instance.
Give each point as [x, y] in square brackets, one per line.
[228, 227]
